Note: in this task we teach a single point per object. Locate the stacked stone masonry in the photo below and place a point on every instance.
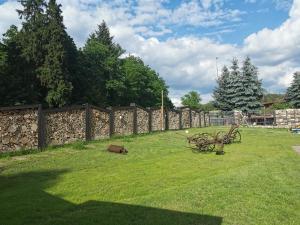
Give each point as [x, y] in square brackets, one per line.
[173, 119]
[185, 120]
[195, 118]
[142, 121]
[99, 124]
[65, 127]
[123, 121]
[26, 128]
[157, 123]
[18, 129]
[287, 118]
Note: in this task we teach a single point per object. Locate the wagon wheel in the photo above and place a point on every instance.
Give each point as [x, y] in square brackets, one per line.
[236, 136]
[221, 135]
[205, 142]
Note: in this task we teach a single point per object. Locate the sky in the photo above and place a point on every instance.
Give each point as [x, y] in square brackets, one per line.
[181, 39]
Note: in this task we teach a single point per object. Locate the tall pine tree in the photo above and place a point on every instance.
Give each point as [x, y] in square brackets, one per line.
[100, 58]
[250, 91]
[222, 92]
[59, 59]
[293, 92]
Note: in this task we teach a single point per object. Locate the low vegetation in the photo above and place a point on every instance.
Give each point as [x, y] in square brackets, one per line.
[160, 182]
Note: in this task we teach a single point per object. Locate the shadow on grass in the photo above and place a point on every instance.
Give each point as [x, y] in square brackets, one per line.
[24, 201]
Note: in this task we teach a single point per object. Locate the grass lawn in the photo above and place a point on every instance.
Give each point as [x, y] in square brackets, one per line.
[160, 182]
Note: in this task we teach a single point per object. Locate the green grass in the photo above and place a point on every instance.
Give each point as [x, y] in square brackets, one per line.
[160, 182]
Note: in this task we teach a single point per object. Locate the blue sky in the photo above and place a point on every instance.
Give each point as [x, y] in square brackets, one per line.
[181, 39]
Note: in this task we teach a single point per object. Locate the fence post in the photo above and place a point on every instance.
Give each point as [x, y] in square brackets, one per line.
[166, 119]
[190, 115]
[208, 119]
[180, 119]
[135, 125]
[41, 129]
[200, 118]
[111, 121]
[88, 135]
[150, 118]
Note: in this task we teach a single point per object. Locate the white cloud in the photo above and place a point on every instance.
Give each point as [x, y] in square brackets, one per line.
[8, 15]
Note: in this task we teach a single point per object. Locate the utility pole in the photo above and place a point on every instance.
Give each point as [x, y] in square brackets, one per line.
[217, 67]
[162, 110]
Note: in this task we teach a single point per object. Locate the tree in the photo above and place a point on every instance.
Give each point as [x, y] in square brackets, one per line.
[103, 78]
[19, 83]
[143, 85]
[192, 100]
[207, 107]
[250, 92]
[223, 99]
[293, 92]
[59, 58]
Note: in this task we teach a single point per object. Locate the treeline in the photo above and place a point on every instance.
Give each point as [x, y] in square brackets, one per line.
[240, 89]
[40, 63]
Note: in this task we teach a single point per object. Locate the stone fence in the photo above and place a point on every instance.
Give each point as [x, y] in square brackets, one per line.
[27, 127]
[287, 117]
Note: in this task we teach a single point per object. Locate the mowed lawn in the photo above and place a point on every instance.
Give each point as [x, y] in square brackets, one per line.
[160, 182]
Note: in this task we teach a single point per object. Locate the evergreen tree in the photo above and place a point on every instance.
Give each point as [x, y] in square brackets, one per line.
[19, 83]
[222, 93]
[235, 90]
[102, 66]
[293, 92]
[33, 34]
[59, 60]
[250, 90]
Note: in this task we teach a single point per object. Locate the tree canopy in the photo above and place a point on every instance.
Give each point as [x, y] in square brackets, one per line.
[192, 100]
[293, 92]
[239, 88]
[40, 63]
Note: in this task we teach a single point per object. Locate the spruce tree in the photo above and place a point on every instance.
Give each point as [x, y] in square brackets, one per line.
[250, 90]
[235, 89]
[100, 58]
[222, 93]
[33, 34]
[293, 92]
[56, 69]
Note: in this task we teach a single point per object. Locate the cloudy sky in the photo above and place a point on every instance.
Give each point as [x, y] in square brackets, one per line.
[181, 39]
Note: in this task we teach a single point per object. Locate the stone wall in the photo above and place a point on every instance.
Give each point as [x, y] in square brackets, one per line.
[18, 129]
[142, 121]
[28, 127]
[287, 118]
[123, 121]
[173, 119]
[185, 120]
[64, 126]
[100, 127]
[195, 119]
[156, 120]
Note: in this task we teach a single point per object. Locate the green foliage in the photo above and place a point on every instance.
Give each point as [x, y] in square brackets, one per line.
[41, 64]
[210, 106]
[143, 85]
[192, 100]
[293, 92]
[272, 97]
[239, 89]
[223, 90]
[56, 70]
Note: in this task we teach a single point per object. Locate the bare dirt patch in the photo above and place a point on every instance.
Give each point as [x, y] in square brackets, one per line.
[297, 149]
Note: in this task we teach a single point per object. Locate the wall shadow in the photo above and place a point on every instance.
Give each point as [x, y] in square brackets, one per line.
[23, 201]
